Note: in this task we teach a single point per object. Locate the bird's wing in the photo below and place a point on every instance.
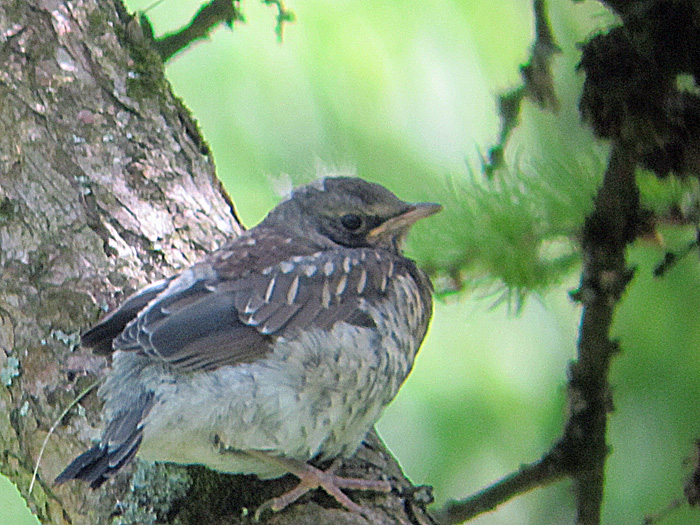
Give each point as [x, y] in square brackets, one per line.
[100, 337]
[316, 290]
[231, 307]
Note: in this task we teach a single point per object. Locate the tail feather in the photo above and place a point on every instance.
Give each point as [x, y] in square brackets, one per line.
[91, 466]
[98, 464]
[119, 445]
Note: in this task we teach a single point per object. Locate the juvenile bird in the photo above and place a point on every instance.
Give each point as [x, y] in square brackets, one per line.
[281, 347]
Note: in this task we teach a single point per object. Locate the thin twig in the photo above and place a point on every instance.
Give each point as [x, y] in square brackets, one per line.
[53, 429]
[209, 16]
[538, 85]
[283, 16]
[668, 510]
[530, 476]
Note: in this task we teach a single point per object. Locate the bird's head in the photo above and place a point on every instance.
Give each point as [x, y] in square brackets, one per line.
[350, 212]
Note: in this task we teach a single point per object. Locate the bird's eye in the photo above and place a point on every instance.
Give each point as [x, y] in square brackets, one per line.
[351, 221]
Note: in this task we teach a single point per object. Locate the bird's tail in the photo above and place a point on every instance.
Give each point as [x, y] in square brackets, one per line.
[98, 464]
[119, 445]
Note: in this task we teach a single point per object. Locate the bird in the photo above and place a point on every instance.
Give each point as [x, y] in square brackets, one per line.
[278, 349]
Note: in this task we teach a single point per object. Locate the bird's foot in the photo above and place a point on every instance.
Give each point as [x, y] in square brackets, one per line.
[311, 478]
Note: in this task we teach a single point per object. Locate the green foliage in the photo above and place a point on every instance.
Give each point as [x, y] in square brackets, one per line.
[405, 94]
[13, 509]
[516, 227]
[670, 195]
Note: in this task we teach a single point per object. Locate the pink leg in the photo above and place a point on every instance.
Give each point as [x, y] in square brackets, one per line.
[311, 478]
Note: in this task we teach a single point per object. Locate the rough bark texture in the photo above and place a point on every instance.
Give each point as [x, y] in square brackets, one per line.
[105, 185]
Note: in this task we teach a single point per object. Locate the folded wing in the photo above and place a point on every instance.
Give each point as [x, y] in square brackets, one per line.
[231, 308]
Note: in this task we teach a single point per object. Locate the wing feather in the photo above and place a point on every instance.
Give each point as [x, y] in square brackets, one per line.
[231, 308]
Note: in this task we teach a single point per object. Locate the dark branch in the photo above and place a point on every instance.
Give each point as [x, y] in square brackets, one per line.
[606, 233]
[537, 474]
[582, 450]
[538, 85]
[208, 17]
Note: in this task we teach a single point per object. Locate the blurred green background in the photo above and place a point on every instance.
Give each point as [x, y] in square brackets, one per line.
[404, 93]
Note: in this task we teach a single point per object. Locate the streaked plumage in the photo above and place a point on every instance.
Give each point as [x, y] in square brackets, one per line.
[290, 339]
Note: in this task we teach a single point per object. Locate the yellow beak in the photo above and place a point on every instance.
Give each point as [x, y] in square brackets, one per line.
[414, 213]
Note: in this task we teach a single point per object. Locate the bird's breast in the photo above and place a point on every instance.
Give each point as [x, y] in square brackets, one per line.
[314, 396]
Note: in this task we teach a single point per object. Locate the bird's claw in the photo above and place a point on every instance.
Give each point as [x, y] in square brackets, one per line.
[311, 478]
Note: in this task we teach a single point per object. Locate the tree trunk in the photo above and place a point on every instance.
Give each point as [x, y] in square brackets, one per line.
[106, 185]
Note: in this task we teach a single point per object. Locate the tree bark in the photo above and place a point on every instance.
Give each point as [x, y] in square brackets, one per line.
[106, 185]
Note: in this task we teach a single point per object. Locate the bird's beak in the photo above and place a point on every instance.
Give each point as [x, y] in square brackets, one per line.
[412, 214]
